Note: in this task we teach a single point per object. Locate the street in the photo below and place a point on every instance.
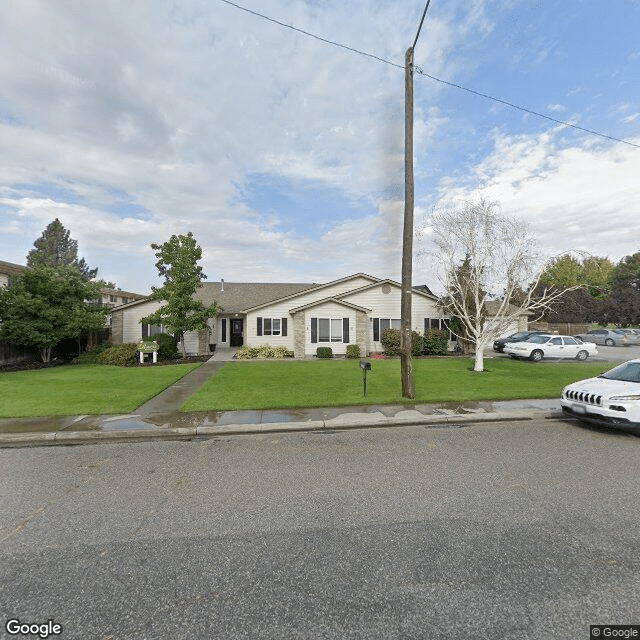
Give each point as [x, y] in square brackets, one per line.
[524, 530]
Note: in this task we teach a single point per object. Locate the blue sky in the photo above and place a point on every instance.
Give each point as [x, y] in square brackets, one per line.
[131, 121]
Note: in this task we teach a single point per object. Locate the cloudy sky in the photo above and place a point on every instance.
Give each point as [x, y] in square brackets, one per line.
[134, 120]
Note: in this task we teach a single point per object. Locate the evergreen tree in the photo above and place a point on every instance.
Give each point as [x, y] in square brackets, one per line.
[178, 264]
[56, 248]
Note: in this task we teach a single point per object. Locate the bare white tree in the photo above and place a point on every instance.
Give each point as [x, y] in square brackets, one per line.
[490, 268]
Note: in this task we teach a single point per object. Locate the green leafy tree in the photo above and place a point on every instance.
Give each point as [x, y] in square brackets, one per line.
[178, 264]
[56, 248]
[46, 305]
[628, 271]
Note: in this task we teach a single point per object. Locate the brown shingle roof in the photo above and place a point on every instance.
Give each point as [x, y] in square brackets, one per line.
[238, 296]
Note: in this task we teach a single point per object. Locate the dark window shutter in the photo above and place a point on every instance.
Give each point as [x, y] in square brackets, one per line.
[345, 330]
[224, 329]
[376, 329]
[314, 330]
[283, 326]
[259, 328]
[145, 331]
[426, 325]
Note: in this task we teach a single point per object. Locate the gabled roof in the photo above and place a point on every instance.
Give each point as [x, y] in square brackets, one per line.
[314, 287]
[337, 300]
[236, 297]
[418, 290]
[10, 268]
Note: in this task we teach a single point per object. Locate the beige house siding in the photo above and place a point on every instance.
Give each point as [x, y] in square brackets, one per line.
[331, 310]
[384, 302]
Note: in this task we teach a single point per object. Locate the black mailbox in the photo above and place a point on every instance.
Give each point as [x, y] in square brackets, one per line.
[365, 365]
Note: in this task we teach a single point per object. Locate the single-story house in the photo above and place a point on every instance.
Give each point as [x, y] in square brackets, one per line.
[299, 316]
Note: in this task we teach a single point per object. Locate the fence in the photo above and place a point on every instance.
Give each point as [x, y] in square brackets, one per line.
[563, 328]
[10, 353]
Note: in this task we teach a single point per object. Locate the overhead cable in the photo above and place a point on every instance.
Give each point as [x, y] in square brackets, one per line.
[431, 77]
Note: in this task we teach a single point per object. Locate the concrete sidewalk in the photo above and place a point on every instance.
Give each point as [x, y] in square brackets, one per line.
[161, 418]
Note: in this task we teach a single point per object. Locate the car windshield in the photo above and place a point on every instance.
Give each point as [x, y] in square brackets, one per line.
[538, 339]
[627, 372]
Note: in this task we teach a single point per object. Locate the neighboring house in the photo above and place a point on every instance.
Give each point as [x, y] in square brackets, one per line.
[300, 316]
[8, 271]
[521, 323]
[110, 297]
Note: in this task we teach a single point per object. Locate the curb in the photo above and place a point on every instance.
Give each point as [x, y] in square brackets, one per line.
[50, 438]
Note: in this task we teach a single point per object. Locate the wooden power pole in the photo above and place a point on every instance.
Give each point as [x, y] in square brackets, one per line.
[406, 363]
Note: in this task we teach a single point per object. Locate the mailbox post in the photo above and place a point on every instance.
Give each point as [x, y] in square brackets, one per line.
[365, 365]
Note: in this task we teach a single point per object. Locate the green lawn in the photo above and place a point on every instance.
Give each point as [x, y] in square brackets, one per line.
[270, 385]
[83, 389]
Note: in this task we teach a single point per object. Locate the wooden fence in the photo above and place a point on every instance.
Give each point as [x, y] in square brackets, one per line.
[563, 328]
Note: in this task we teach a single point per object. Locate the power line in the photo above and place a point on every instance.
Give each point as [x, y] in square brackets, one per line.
[431, 77]
[530, 111]
[312, 35]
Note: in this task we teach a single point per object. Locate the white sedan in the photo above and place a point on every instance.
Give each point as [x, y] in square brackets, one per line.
[551, 346]
[612, 398]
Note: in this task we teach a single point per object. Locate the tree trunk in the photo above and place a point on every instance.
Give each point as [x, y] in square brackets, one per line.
[182, 347]
[45, 354]
[479, 361]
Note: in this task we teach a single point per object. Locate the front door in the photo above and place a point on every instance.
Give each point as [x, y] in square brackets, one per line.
[236, 334]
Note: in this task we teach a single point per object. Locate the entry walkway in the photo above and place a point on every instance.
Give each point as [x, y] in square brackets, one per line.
[160, 417]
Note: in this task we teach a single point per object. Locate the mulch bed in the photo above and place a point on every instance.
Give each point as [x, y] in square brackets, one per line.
[31, 365]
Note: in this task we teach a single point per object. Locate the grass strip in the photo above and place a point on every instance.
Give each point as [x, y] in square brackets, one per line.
[83, 389]
[324, 383]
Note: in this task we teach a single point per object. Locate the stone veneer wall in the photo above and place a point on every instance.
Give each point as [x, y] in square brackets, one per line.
[362, 332]
[298, 334]
[117, 320]
[203, 342]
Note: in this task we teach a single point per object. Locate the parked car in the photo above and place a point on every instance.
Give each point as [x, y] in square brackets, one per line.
[498, 345]
[632, 335]
[551, 346]
[608, 337]
[612, 398]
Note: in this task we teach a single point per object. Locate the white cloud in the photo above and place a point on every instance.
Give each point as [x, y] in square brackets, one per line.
[575, 197]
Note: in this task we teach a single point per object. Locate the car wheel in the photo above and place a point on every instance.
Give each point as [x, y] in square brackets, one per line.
[582, 355]
[609, 342]
[536, 355]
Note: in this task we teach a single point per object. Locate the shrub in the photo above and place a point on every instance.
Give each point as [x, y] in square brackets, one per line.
[281, 352]
[391, 342]
[353, 351]
[92, 356]
[167, 347]
[244, 353]
[324, 352]
[265, 351]
[123, 355]
[436, 342]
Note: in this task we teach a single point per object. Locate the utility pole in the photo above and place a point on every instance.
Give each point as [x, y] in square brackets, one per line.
[406, 363]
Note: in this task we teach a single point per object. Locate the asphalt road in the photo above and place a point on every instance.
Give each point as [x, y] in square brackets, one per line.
[524, 530]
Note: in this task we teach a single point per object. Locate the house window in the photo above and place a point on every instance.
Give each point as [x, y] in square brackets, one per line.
[151, 330]
[271, 327]
[380, 325]
[113, 298]
[330, 330]
[439, 323]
